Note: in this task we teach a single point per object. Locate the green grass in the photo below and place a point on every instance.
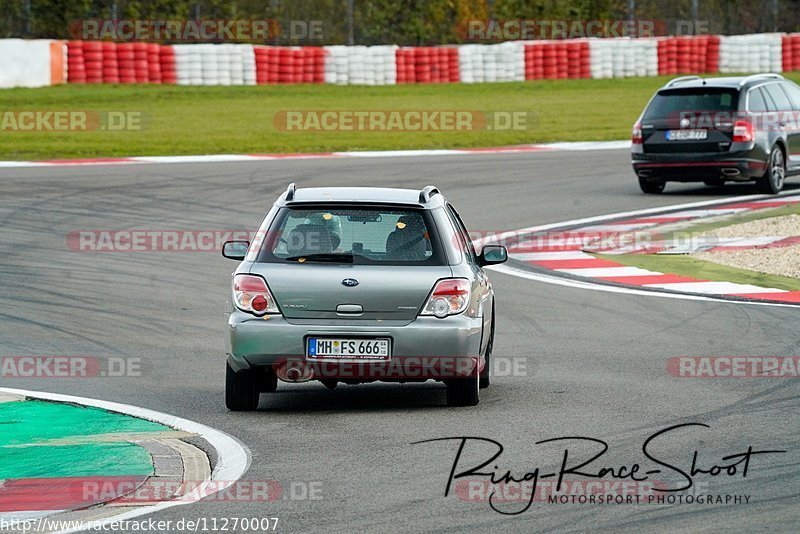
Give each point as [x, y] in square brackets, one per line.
[236, 120]
[213, 120]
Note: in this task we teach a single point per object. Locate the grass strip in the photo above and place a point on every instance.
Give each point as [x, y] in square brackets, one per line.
[181, 120]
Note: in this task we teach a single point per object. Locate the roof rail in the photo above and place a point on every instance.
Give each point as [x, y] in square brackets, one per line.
[427, 192]
[681, 79]
[768, 75]
[290, 192]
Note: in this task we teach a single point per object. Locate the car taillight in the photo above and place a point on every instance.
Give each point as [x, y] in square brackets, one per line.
[449, 297]
[743, 132]
[250, 294]
[636, 135]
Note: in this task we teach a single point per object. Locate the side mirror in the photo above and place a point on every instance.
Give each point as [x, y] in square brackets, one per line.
[492, 255]
[235, 250]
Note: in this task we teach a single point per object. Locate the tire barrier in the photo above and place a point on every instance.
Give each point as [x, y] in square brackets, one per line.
[790, 45]
[107, 62]
[76, 65]
[166, 57]
[504, 62]
[280, 64]
[623, 58]
[684, 55]
[33, 63]
[552, 60]
[427, 64]
[360, 65]
[210, 64]
[759, 52]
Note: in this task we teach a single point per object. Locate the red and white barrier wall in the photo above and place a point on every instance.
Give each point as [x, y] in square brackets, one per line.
[689, 54]
[36, 63]
[427, 64]
[504, 62]
[45, 62]
[274, 64]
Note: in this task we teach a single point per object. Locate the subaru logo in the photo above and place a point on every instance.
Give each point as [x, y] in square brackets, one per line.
[350, 282]
[685, 123]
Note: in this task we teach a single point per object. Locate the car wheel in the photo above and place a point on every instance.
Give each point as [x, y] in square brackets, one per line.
[773, 180]
[464, 391]
[485, 380]
[651, 187]
[241, 389]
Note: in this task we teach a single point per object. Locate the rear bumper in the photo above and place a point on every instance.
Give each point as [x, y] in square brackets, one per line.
[426, 347]
[741, 166]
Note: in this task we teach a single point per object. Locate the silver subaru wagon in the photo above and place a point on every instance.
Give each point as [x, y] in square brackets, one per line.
[357, 284]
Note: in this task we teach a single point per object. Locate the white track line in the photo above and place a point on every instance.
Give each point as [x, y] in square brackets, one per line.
[217, 158]
[609, 272]
[545, 256]
[233, 457]
[716, 288]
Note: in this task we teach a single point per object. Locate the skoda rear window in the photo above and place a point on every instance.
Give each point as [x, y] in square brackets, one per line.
[672, 102]
[357, 234]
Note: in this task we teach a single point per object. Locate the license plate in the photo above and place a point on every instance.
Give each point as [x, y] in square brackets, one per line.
[686, 135]
[348, 348]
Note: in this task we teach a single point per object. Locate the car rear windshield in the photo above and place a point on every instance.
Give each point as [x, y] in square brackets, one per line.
[672, 102]
[354, 234]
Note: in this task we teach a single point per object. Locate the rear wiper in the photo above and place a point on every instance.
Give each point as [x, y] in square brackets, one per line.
[333, 258]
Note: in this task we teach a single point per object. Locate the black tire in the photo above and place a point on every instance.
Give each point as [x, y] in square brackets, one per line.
[651, 187]
[773, 180]
[268, 381]
[241, 389]
[486, 380]
[464, 391]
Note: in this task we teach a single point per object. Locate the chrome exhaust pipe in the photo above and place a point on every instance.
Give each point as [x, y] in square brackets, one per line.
[295, 372]
[731, 172]
[644, 173]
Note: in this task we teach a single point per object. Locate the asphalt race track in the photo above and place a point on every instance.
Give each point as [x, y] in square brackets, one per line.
[589, 363]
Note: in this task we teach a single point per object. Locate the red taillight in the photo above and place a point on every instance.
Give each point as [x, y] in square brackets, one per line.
[636, 135]
[449, 297]
[250, 294]
[248, 282]
[259, 303]
[743, 132]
